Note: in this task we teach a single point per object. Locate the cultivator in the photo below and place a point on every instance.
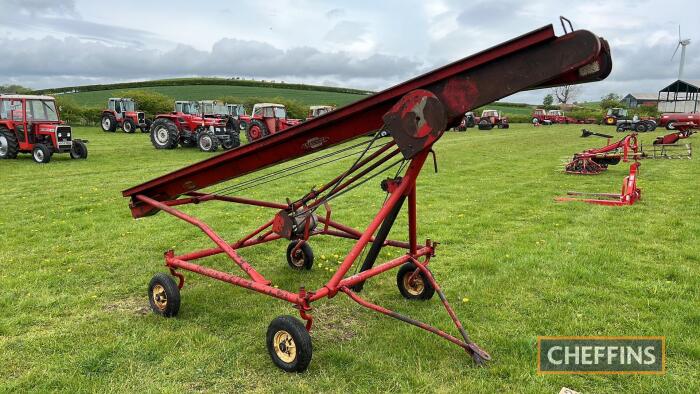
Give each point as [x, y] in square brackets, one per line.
[415, 115]
[667, 147]
[629, 195]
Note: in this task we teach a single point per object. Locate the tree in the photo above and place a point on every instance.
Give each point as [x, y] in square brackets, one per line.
[548, 100]
[14, 89]
[610, 100]
[565, 93]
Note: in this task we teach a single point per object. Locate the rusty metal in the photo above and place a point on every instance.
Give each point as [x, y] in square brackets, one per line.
[415, 115]
[596, 160]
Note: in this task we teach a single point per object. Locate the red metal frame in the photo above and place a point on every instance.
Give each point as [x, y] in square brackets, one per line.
[629, 195]
[594, 161]
[415, 113]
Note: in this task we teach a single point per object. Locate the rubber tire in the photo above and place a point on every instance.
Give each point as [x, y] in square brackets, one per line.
[172, 292]
[129, 125]
[505, 126]
[234, 140]
[12, 143]
[408, 269]
[669, 126]
[302, 341]
[651, 126]
[78, 150]
[173, 133]
[620, 129]
[485, 125]
[640, 127]
[211, 137]
[146, 128]
[46, 153]
[261, 126]
[307, 253]
[112, 123]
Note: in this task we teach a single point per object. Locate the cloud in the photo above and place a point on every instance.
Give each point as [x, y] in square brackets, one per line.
[78, 59]
[335, 13]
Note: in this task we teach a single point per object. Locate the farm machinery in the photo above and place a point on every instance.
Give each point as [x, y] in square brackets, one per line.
[629, 194]
[31, 124]
[596, 160]
[491, 118]
[267, 119]
[188, 127]
[553, 116]
[122, 112]
[317, 110]
[619, 117]
[414, 114]
[469, 120]
[669, 120]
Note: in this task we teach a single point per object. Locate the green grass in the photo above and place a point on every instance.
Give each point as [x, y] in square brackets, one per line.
[74, 269]
[208, 92]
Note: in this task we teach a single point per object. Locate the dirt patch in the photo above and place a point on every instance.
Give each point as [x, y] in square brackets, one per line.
[135, 305]
[335, 322]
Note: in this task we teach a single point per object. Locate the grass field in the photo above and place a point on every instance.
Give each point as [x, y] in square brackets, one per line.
[74, 314]
[209, 92]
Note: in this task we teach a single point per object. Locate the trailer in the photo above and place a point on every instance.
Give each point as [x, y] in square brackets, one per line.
[415, 115]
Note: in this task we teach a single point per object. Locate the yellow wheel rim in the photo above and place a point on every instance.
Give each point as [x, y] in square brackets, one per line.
[285, 348]
[160, 299]
[414, 287]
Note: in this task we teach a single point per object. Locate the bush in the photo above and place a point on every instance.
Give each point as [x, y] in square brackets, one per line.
[150, 102]
[70, 111]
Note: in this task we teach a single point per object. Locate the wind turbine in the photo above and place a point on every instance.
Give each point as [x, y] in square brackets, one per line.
[681, 43]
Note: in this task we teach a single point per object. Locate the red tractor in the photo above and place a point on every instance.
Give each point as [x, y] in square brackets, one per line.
[267, 118]
[187, 127]
[552, 116]
[490, 118]
[122, 112]
[31, 124]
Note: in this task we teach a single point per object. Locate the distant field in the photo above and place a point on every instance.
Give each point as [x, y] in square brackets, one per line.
[204, 92]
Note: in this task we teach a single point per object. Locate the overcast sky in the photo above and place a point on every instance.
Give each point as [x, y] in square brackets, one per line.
[362, 44]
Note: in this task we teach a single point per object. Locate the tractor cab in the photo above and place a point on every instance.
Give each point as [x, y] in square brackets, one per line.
[617, 112]
[318, 110]
[187, 107]
[212, 108]
[266, 119]
[235, 110]
[31, 124]
[555, 112]
[122, 112]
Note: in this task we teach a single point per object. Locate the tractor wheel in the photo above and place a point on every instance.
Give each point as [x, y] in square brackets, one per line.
[485, 125]
[620, 128]
[207, 141]
[9, 147]
[234, 140]
[303, 258]
[640, 127]
[147, 127]
[41, 153]
[164, 295]
[416, 288]
[256, 130]
[109, 123]
[243, 125]
[78, 150]
[164, 134]
[505, 125]
[670, 126]
[651, 125]
[128, 126]
[289, 344]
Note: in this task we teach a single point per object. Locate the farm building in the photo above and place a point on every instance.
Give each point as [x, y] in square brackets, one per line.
[680, 96]
[634, 100]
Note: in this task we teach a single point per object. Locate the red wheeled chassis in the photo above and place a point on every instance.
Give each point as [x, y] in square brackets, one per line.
[415, 113]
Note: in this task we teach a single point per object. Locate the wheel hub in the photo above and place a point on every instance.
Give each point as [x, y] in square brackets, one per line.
[105, 123]
[4, 145]
[162, 135]
[39, 155]
[160, 299]
[414, 287]
[298, 258]
[206, 142]
[284, 345]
